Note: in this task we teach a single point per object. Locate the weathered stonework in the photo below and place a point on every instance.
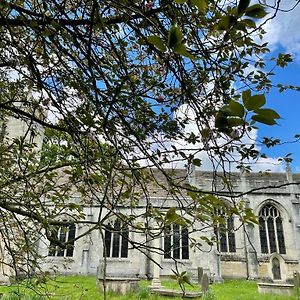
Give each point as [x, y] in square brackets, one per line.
[247, 261]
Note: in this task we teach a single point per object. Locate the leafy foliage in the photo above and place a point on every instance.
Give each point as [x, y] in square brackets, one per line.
[112, 87]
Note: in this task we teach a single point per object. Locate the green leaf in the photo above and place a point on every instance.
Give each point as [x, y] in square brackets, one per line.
[236, 108]
[180, 1]
[233, 122]
[255, 102]
[197, 162]
[268, 113]
[181, 49]
[201, 5]
[263, 119]
[187, 279]
[173, 217]
[243, 4]
[256, 11]
[246, 95]
[175, 37]
[249, 23]
[157, 42]
[226, 22]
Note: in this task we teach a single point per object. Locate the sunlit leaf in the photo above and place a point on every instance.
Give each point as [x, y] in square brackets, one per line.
[267, 112]
[175, 37]
[236, 108]
[243, 4]
[264, 120]
[255, 102]
[157, 42]
[256, 11]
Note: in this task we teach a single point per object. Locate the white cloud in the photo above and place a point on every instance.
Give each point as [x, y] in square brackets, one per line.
[210, 160]
[284, 29]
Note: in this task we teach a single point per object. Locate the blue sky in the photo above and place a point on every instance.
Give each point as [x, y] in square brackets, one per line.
[283, 35]
[287, 104]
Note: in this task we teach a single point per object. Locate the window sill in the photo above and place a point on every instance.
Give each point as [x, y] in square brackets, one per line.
[181, 260]
[59, 258]
[121, 259]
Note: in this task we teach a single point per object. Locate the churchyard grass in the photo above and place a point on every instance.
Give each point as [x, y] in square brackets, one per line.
[85, 288]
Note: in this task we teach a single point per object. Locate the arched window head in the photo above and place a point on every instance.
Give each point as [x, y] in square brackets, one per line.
[271, 230]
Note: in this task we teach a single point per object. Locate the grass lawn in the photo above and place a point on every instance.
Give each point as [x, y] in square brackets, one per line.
[84, 288]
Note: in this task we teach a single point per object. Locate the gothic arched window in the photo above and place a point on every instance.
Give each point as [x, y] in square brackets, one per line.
[271, 230]
[116, 240]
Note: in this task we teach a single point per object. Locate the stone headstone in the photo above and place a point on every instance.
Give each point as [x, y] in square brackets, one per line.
[200, 275]
[297, 279]
[205, 283]
[297, 283]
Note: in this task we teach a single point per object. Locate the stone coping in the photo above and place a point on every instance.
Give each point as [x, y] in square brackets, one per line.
[119, 279]
[273, 284]
[275, 288]
[175, 293]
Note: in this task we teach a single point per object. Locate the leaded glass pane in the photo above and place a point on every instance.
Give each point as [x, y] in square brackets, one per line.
[231, 235]
[176, 241]
[124, 246]
[263, 235]
[185, 243]
[116, 239]
[107, 241]
[71, 237]
[280, 236]
[272, 238]
[167, 242]
[62, 239]
[223, 239]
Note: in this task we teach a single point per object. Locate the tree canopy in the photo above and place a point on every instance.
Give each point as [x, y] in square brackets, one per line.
[115, 85]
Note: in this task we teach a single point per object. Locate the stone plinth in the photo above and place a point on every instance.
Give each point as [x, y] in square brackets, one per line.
[275, 288]
[175, 293]
[119, 285]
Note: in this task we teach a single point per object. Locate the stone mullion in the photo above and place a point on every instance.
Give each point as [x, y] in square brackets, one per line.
[66, 240]
[267, 234]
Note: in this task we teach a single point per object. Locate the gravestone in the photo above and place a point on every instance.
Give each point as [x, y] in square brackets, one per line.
[297, 283]
[205, 283]
[297, 279]
[200, 275]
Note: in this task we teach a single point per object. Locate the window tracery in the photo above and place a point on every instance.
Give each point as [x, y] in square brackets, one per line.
[271, 230]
